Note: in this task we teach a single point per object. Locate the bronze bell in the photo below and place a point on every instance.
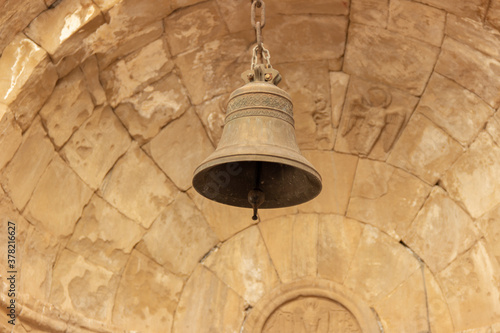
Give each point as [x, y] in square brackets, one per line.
[257, 163]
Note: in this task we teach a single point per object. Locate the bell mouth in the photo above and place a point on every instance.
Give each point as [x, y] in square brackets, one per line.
[284, 182]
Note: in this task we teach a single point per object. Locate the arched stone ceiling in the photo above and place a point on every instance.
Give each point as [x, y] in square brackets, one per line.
[107, 106]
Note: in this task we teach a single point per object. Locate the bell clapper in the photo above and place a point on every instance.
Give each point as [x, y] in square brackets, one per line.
[256, 196]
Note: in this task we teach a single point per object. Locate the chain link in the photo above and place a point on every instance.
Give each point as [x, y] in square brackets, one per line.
[259, 49]
[260, 4]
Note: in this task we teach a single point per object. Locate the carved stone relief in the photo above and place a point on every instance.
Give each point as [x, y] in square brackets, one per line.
[311, 315]
[373, 117]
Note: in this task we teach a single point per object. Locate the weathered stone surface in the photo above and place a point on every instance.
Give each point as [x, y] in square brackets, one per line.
[489, 225]
[212, 114]
[471, 69]
[305, 38]
[417, 21]
[147, 296]
[105, 5]
[379, 266]
[83, 287]
[90, 69]
[223, 311]
[405, 309]
[337, 171]
[10, 135]
[194, 26]
[179, 237]
[439, 314]
[137, 187]
[338, 86]
[370, 12]
[61, 30]
[369, 48]
[15, 16]
[493, 127]
[215, 68]
[225, 221]
[243, 263]
[58, 199]
[309, 86]
[112, 41]
[456, 110]
[493, 15]
[184, 153]
[474, 34]
[474, 179]
[425, 150]
[337, 243]
[292, 7]
[373, 118]
[386, 197]
[441, 231]
[470, 285]
[104, 236]
[38, 258]
[474, 9]
[28, 78]
[292, 244]
[96, 145]
[135, 72]
[183, 3]
[145, 113]
[21, 175]
[67, 108]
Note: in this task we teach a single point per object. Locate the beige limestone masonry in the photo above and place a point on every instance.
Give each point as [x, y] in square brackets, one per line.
[107, 106]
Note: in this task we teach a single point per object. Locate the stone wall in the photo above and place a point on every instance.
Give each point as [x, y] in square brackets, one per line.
[107, 106]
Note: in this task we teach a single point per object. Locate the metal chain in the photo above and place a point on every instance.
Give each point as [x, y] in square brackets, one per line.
[259, 49]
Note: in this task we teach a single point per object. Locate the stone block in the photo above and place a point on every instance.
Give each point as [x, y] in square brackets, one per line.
[80, 286]
[183, 3]
[225, 221]
[338, 87]
[145, 113]
[386, 197]
[370, 12]
[417, 21]
[61, 30]
[96, 145]
[425, 150]
[136, 71]
[368, 49]
[179, 237]
[489, 225]
[292, 244]
[191, 27]
[38, 259]
[28, 78]
[58, 199]
[10, 135]
[474, 179]
[461, 113]
[471, 69]
[305, 38]
[212, 114]
[405, 308]
[184, 153]
[474, 9]
[439, 314]
[104, 236]
[223, 311]
[147, 296]
[373, 118]
[67, 108]
[294, 7]
[308, 84]
[215, 68]
[243, 263]
[493, 14]
[90, 69]
[22, 173]
[474, 34]
[16, 15]
[105, 5]
[441, 231]
[470, 285]
[137, 187]
[338, 241]
[493, 127]
[236, 14]
[379, 266]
